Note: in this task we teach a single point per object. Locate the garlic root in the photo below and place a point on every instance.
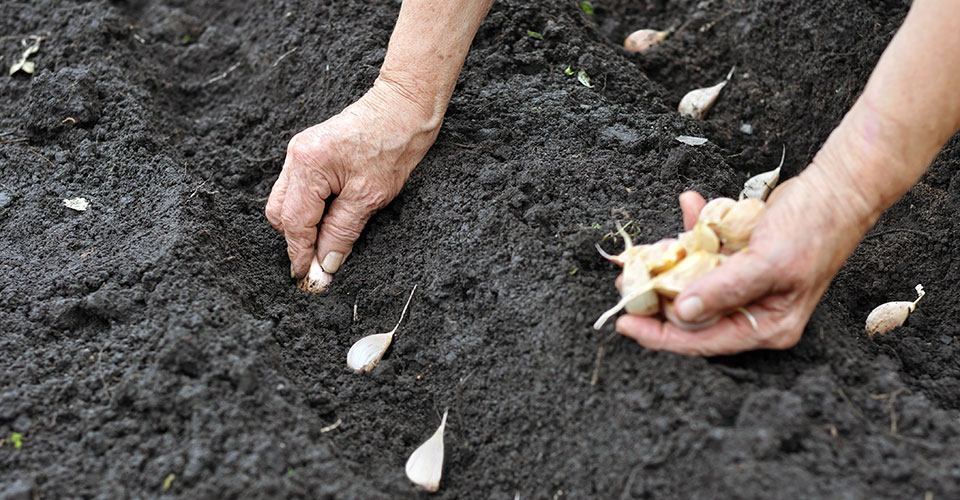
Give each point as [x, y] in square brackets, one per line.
[317, 280]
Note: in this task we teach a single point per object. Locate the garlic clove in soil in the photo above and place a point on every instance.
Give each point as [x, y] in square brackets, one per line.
[317, 280]
[365, 353]
[760, 185]
[738, 223]
[886, 317]
[368, 351]
[425, 465]
[697, 102]
[642, 40]
[635, 277]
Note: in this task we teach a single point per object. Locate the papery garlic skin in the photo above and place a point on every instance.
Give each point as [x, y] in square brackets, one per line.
[425, 465]
[368, 351]
[317, 280]
[642, 40]
[886, 317]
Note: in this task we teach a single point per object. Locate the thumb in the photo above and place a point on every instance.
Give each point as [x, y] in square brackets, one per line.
[743, 278]
[345, 219]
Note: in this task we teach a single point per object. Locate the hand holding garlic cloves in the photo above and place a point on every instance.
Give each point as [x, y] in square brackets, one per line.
[796, 248]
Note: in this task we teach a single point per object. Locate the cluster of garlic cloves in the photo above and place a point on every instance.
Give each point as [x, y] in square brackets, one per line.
[654, 274]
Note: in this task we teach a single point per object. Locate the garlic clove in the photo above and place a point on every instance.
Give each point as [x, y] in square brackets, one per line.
[760, 185]
[712, 213]
[695, 265]
[317, 280]
[425, 465]
[642, 40]
[662, 255]
[886, 317]
[697, 102]
[636, 276]
[368, 351]
[738, 223]
[365, 353]
[700, 237]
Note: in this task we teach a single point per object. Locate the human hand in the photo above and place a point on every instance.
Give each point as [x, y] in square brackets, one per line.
[363, 156]
[806, 232]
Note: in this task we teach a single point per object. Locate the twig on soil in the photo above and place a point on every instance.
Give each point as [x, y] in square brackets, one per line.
[224, 74]
[601, 350]
[852, 406]
[99, 372]
[285, 54]
[41, 156]
[891, 401]
[195, 191]
[13, 141]
[23, 37]
[356, 315]
[331, 426]
[898, 230]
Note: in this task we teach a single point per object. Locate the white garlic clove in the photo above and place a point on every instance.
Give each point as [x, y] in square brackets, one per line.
[693, 266]
[642, 40]
[636, 276]
[365, 353]
[712, 213]
[368, 351]
[886, 317]
[425, 465]
[317, 280]
[760, 185]
[697, 102]
[662, 255]
[737, 225]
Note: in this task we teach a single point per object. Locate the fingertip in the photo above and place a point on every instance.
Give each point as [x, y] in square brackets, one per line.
[691, 203]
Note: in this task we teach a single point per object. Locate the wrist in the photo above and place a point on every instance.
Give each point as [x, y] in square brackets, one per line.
[419, 98]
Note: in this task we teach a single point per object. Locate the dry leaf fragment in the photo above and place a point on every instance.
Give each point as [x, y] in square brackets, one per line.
[886, 317]
[697, 102]
[368, 351]
[641, 40]
[690, 140]
[79, 204]
[23, 64]
[425, 465]
[760, 185]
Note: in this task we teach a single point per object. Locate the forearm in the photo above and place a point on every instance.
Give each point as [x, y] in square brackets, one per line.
[427, 50]
[909, 108]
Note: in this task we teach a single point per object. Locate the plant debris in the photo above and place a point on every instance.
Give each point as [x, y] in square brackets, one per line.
[79, 204]
[23, 64]
[691, 140]
[583, 78]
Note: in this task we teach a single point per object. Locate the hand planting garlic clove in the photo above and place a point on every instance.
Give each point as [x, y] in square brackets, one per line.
[724, 226]
[368, 351]
[317, 280]
[697, 102]
[738, 223]
[886, 317]
[425, 465]
[642, 40]
[760, 185]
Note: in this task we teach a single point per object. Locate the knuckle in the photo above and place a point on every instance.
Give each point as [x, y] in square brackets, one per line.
[370, 194]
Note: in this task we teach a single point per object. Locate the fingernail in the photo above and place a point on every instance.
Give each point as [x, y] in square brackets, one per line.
[690, 309]
[332, 262]
[293, 271]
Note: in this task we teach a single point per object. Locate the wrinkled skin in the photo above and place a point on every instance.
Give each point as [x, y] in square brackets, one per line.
[363, 156]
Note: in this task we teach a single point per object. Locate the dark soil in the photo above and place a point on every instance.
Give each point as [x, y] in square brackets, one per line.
[157, 338]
